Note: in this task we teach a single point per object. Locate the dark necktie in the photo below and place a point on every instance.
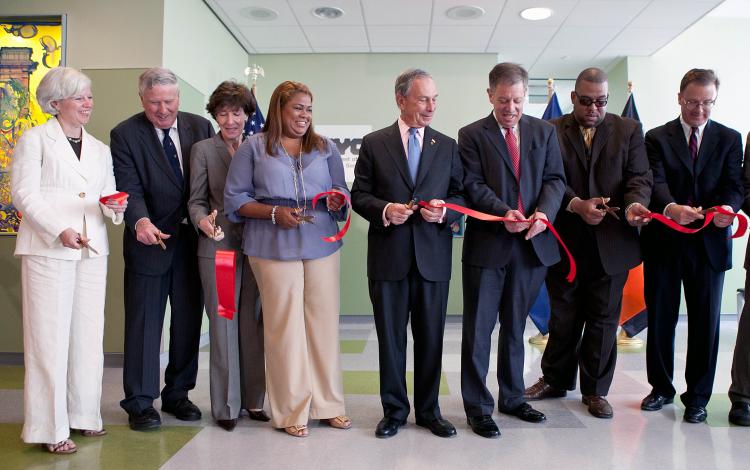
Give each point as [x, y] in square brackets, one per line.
[415, 151]
[693, 145]
[515, 158]
[171, 152]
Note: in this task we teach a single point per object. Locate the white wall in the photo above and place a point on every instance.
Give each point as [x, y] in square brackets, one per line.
[719, 44]
[198, 48]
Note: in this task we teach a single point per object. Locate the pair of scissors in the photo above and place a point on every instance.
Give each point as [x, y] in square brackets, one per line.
[609, 210]
[160, 241]
[86, 244]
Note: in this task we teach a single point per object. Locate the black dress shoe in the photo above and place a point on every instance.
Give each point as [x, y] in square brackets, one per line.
[526, 413]
[598, 406]
[695, 414]
[654, 402]
[258, 415]
[438, 426]
[227, 424]
[740, 414]
[145, 420]
[484, 426]
[388, 427]
[183, 409]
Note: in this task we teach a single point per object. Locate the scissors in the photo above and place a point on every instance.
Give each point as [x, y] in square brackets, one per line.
[609, 210]
[86, 244]
[160, 241]
[301, 216]
[411, 204]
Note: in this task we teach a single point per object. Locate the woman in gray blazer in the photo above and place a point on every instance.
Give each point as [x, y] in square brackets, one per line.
[237, 369]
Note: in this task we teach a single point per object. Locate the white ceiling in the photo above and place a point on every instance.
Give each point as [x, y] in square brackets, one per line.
[580, 33]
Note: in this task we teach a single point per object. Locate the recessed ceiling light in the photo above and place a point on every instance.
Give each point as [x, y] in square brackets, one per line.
[328, 13]
[536, 14]
[259, 13]
[464, 12]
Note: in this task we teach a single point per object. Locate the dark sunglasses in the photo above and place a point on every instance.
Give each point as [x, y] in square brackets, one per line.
[587, 101]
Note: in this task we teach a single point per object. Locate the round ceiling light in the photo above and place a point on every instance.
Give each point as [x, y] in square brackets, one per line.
[328, 13]
[536, 14]
[259, 13]
[464, 12]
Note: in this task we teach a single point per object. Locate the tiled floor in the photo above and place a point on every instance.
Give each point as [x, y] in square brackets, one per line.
[570, 438]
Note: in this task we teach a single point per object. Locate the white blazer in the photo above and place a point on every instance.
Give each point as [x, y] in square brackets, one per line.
[54, 191]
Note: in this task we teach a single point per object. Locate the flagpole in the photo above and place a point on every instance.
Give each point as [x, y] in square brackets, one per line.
[630, 87]
[550, 88]
[252, 73]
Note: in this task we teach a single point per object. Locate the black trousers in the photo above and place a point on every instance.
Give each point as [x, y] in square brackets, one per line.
[394, 303]
[663, 279]
[145, 302]
[583, 325]
[507, 294]
[739, 391]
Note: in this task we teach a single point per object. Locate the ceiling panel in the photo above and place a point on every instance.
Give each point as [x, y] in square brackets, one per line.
[303, 12]
[397, 12]
[274, 36]
[492, 10]
[398, 36]
[476, 37]
[322, 36]
[612, 14]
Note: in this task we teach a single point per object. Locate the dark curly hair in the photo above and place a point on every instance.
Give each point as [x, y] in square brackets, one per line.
[232, 95]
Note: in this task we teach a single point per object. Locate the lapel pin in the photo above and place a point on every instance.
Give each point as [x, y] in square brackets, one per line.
[432, 141]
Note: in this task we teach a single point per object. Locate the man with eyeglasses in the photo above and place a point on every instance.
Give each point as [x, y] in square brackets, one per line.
[606, 198]
[512, 169]
[697, 164]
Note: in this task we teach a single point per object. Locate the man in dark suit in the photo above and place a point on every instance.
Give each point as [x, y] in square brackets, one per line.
[697, 164]
[512, 169]
[151, 152]
[739, 390]
[409, 248]
[605, 167]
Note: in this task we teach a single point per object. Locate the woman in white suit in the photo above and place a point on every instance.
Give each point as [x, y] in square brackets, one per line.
[59, 174]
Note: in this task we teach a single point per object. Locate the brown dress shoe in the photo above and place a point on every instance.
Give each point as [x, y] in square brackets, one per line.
[541, 390]
[598, 406]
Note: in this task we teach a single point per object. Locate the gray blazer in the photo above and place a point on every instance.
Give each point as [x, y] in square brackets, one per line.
[209, 163]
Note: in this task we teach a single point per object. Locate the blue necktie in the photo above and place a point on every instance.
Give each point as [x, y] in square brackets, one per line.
[415, 151]
[171, 151]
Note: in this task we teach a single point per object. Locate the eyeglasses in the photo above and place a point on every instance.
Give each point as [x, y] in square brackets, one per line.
[692, 104]
[588, 101]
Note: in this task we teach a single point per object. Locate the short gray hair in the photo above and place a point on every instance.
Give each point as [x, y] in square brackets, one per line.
[58, 84]
[155, 76]
[407, 77]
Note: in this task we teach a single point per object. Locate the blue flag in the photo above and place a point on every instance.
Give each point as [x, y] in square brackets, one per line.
[639, 321]
[540, 311]
[553, 108]
[630, 111]
[255, 123]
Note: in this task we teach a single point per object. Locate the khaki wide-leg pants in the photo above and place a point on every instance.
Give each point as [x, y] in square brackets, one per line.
[301, 334]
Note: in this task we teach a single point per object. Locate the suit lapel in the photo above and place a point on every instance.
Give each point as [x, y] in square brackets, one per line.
[186, 142]
[395, 147]
[150, 138]
[708, 144]
[601, 137]
[679, 144]
[429, 148]
[493, 133]
[222, 150]
[63, 148]
[572, 134]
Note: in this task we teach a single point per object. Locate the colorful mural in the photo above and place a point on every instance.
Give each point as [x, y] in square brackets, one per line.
[29, 47]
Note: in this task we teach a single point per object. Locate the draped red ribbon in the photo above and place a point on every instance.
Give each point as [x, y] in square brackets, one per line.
[118, 197]
[225, 272]
[344, 229]
[741, 221]
[494, 218]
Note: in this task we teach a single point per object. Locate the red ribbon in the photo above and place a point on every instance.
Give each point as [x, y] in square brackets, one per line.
[119, 198]
[343, 231]
[741, 221]
[493, 218]
[225, 272]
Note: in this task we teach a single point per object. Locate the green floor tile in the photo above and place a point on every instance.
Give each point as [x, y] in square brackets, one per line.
[121, 448]
[11, 377]
[367, 382]
[353, 346]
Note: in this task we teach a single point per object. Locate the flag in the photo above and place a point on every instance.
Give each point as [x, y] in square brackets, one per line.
[633, 315]
[255, 123]
[553, 108]
[540, 311]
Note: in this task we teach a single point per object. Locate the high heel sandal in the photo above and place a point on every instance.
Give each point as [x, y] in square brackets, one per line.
[297, 430]
[339, 422]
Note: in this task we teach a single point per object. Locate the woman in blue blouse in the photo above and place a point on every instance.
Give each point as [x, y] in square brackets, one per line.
[271, 181]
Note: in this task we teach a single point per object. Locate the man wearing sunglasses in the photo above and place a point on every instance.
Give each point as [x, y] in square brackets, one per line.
[697, 164]
[606, 198]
